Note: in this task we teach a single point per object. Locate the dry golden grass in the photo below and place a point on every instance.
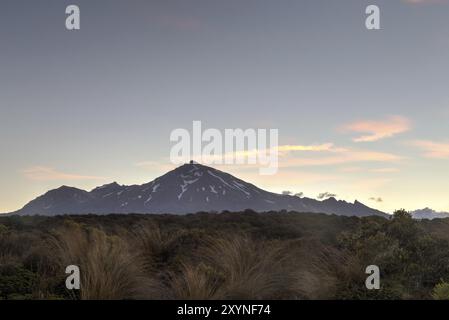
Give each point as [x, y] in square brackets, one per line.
[109, 269]
[153, 244]
[193, 282]
[314, 275]
[138, 264]
[233, 268]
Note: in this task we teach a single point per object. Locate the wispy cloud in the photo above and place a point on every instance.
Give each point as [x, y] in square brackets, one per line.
[326, 195]
[343, 156]
[325, 154]
[432, 149]
[376, 199]
[385, 170]
[47, 174]
[282, 151]
[319, 147]
[377, 130]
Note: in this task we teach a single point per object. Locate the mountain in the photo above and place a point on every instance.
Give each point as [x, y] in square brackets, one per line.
[189, 188]
[429, 214]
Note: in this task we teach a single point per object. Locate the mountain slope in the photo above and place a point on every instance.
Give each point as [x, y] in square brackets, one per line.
[187, 189]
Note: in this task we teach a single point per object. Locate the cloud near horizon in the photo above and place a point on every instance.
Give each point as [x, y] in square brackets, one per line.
[39, 173]
[326, 195]
[289, 156]
[432, 149]
[295, 156]
[283, 151]
[378, 130]
[343, 156]
[320, 147]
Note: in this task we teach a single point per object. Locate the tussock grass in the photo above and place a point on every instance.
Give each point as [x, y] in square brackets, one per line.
[221, 256]
[109, 269]
[234, 267]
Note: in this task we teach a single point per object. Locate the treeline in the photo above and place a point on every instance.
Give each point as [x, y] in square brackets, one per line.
[243, 255]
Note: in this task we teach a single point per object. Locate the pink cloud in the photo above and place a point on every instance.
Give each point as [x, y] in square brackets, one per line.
[341, 157]
[282, 150]
[436, 150]
[47, 174]
[377, 130]
[319, 147]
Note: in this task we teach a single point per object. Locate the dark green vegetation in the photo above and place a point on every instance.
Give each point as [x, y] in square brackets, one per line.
[224, 256]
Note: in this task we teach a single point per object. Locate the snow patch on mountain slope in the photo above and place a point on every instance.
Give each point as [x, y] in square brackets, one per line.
[184, 186]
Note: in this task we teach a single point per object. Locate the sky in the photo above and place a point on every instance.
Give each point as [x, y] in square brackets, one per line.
[367, 111]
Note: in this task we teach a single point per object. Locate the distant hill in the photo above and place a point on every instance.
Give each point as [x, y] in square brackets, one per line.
[429, 214]
[189, 188]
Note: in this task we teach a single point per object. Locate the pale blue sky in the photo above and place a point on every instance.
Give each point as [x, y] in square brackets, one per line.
[85, 108]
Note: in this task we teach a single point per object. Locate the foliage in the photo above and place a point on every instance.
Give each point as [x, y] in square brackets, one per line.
[441, 291]
[246, 255]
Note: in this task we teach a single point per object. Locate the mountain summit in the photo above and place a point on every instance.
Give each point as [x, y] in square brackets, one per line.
[189, 188]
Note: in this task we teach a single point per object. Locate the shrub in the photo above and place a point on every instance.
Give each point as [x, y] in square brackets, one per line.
[441, 291]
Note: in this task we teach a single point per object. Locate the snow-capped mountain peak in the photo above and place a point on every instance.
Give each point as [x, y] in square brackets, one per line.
[189, 188]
